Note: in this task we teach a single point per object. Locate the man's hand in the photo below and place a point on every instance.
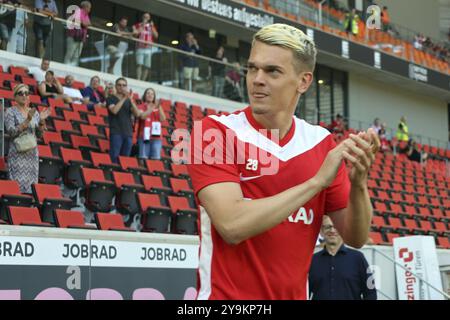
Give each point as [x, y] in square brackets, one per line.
[329, 169]
[363, 149]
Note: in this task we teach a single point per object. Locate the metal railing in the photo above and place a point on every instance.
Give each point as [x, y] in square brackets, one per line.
[107, 51]
[422, 281]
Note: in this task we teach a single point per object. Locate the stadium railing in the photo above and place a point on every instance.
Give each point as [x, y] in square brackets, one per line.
[166, 66]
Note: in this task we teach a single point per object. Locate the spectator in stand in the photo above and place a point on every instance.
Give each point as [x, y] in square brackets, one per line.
[337, 126]
[7, 22]
[190, 64]
[385, 146]
[144, 31]
[71, 92]
[414, 154]
[120, 108]
[233, 89]
[51, 88]
[39, 72]
[112, 43]
[23, 166]
[217, 72]
[109, 90]
[351, 22]
[338, 272]
[402, 132]
[376, 126]
[149, 128]
[418, 40]
[42, 26]
[92, 92]
[385, 19]
[77, 34]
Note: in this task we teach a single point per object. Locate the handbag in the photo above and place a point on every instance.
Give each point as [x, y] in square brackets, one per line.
[25, 142]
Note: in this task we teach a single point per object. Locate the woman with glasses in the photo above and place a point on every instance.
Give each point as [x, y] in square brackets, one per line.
[23, 167]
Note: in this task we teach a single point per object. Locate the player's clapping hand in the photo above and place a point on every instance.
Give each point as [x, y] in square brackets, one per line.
[360, 152]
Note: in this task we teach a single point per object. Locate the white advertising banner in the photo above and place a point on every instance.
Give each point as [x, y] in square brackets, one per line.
[418, 255]
[85, 252]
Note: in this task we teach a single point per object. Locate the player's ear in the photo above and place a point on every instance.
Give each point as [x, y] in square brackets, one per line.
[304, 81]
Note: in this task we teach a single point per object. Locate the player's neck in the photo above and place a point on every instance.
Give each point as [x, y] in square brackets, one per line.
[280, 121]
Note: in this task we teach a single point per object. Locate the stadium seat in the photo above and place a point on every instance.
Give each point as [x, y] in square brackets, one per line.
[103, 161]
[126, 198]
[26, 217]
[111, 222]
[154, 184]
[71, 219]
[74, 162]
[10, 195]
[185, 217]
[391, 237]
[48, 198]
[444, 242]
[84, 145]
[131, 164]
[156, 168]
[376, 237]
[51, 168]
[55, 140]
[99, 191]
[156, 217]
[182, 188]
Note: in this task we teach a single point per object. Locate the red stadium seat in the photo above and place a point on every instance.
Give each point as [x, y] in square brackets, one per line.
[74, 162]
[376, 237]
[10, 195]
[156, 217]
[154, 184]
[126, 198]
[378, 221]
[50, 167]
[111, 222]
[49, 198]
[26, 217]
[71, 219]
[185, 216]
[131, 164]
[444, 242]
[99, 191]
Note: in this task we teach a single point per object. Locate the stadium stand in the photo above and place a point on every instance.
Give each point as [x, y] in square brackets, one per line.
[408, 198]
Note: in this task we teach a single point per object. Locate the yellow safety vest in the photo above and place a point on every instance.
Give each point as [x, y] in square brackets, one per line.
[402, 135]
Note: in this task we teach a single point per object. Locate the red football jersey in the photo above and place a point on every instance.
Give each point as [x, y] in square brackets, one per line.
[274, 264]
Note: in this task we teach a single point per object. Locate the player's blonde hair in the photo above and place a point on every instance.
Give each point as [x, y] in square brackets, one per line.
[286, 36]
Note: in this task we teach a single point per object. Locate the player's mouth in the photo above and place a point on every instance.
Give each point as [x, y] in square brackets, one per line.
[259, 95]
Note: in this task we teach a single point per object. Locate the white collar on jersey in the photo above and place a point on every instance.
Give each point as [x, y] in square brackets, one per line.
[306, 136]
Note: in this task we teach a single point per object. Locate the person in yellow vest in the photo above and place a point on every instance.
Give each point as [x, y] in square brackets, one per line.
[402, 132]
[351, 22]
